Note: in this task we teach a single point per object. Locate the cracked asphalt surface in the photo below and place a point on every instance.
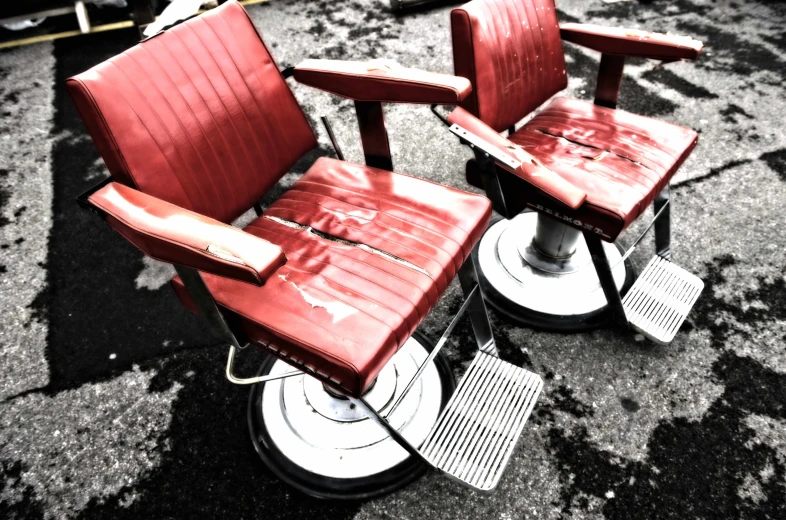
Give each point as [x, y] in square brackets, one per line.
[113, 402]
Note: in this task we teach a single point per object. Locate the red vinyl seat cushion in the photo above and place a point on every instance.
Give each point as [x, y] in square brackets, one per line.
[621, 160]
[369, 252]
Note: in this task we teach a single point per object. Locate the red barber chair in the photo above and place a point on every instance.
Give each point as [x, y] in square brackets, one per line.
[195, 125]
[586, 169]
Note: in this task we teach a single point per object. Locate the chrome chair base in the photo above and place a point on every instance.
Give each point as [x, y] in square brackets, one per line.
[532, 289]
[326, 446]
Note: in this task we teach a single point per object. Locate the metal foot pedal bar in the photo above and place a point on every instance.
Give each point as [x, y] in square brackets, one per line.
[474, 437]
[660, 299]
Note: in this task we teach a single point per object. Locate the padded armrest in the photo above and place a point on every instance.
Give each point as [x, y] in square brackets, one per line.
[175, 235]
[530, 169]
[382, 80]
[632, 42]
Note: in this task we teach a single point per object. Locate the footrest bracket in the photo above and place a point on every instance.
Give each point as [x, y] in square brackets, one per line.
[474, 437]
[660, 299]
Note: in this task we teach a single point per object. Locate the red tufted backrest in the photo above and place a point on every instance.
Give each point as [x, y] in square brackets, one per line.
[198, 115]
[511, 51]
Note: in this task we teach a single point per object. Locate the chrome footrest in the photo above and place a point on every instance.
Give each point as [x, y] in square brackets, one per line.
[476, 433]
[660, 299]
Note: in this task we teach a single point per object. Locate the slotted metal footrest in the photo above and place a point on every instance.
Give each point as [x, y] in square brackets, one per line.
[660, 299]
[476, 433]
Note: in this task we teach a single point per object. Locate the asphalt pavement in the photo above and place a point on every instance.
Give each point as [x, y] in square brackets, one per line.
[113, 402]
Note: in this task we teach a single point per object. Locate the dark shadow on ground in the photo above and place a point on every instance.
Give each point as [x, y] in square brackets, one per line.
[91, 301]
[714, 467]
[208, 466]
[633, 96]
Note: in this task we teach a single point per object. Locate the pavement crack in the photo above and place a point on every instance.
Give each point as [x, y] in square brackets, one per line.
[714, 172]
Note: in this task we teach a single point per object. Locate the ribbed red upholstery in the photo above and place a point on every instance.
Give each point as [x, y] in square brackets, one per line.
[511, 51]
[621, 160]
[339, 309]
[198, 116]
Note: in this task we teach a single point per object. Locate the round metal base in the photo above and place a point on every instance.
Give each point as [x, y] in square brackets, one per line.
[326, 447]
[540, 292]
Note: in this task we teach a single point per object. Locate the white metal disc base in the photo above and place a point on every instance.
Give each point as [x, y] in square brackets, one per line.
[555, 298]
[326, 447]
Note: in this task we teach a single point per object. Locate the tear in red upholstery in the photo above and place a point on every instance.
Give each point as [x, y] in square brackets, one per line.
[382, 80]
[621, 160]
[384, 248]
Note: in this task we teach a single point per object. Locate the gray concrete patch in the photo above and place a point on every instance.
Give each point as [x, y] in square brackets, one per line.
[112, 398]
[26, 215]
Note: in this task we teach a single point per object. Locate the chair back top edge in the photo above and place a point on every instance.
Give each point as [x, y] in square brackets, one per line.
[198, 115]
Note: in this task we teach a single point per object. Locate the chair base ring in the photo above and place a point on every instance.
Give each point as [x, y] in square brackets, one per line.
[544, 299]
[324, 447]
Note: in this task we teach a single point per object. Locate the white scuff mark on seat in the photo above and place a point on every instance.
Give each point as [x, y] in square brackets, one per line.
[384, 65]
[223, 254]
[338, 310]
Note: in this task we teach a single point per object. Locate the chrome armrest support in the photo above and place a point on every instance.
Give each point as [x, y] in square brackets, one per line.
[436, 350]
[662, 208]
[252, 380]
[487, 157]
[492, 151]
[205, 304]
